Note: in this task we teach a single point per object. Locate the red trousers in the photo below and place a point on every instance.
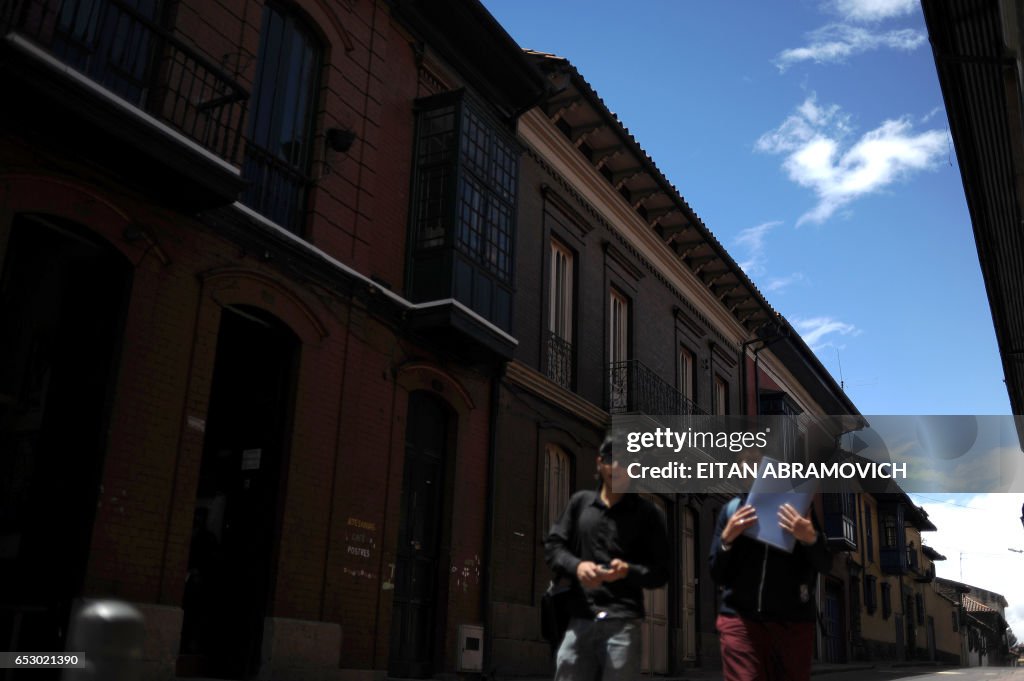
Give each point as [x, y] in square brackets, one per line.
[754, 650]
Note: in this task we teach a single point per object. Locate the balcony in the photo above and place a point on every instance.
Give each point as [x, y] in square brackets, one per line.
[923, 574]
[635, 389]
[276, 190]
[558, 365]
[840, 521]
[107, 83]
[462, 231]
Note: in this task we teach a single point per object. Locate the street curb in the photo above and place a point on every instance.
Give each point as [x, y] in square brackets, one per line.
[926, 663]
[841, 668]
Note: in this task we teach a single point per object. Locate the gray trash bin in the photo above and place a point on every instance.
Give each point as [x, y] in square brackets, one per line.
[110, 634]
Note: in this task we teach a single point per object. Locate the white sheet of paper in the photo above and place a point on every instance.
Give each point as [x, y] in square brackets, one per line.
[766, 496]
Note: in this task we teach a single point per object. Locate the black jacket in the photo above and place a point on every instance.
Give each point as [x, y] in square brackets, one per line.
[632, 530]
[763, 582]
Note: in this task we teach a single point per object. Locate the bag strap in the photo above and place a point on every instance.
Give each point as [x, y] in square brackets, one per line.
[557, 577]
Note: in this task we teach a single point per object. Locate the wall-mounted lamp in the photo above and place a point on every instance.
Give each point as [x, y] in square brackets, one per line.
[340, 139]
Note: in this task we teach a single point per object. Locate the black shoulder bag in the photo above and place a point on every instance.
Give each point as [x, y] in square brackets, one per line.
[555, 610]
[556, 604]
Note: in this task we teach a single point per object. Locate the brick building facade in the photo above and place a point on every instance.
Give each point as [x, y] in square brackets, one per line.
[223, 400]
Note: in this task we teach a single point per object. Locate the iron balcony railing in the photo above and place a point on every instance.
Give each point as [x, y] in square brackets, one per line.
[559, 360]
[276, 188]
[120, 48]
[634, 388]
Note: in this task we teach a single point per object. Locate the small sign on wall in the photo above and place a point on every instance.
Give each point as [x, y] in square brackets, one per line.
[251, 459]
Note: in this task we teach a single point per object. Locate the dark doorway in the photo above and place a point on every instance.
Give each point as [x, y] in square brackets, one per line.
[62, 300]
[417, 623]
[901, 653]
[834, 634]
[908, 610]
[236, 525]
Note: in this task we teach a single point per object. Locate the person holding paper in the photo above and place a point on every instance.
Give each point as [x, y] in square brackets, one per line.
[767, 613]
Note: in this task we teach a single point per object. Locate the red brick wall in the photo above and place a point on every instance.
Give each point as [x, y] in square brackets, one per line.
[344, 470]
[345, 465]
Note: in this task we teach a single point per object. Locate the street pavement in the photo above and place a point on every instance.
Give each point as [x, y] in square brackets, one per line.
[881, 672]
[928, 674]
[850, 672]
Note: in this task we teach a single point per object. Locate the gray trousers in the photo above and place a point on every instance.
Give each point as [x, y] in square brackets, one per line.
[599, 650]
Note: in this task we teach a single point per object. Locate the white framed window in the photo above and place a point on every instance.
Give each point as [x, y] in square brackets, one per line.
[618, 352]
[561, 298]
[618, 337]
[686, 376]
[557, 484]
[558, 345]
[721, 396]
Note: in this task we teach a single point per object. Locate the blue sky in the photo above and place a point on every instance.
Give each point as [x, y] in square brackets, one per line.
[810, 137]
[975, 533]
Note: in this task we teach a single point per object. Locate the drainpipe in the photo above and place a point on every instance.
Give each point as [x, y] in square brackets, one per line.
[711, 376]
[487, 585]
[743, 374]
[764, 343]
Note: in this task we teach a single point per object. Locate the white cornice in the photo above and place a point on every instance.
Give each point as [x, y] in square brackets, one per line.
[540, 385]
[536, 131]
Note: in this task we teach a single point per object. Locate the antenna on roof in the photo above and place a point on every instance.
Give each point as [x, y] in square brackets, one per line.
[842, 383]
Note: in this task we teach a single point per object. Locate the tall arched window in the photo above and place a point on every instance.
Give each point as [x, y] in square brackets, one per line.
[279, 141]
[557, 484]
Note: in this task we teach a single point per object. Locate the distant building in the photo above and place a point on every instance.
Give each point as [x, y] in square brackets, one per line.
[904, 612]
[983, 628]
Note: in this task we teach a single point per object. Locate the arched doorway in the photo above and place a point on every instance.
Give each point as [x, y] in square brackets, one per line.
[418, 607]
[833, 620]
[63, 293]
[655, 629]
[689, 569]
[236, 529]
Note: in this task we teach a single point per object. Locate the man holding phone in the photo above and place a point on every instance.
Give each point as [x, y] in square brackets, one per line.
[613, 544]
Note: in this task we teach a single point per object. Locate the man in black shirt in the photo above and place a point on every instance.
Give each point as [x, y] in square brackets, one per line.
[613, 545]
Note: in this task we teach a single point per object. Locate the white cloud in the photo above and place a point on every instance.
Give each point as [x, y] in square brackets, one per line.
[814, 330]
[813, 140]
[779, 284]
[836, 42]
[931, 114]
[874, 10]
[753, 240]
[809, 122]
[982, 533]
